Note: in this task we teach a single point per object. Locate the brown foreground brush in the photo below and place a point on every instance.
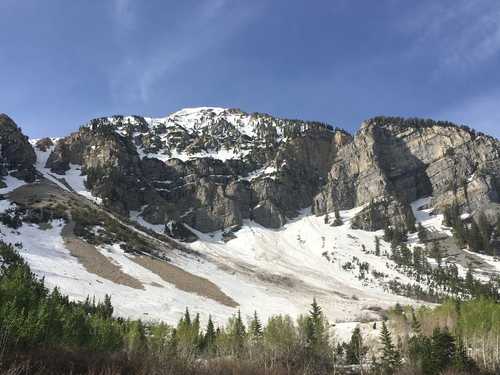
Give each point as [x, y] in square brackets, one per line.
[82, 363]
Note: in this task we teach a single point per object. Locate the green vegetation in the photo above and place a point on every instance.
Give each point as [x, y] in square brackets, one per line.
[442, 280]
[44, 332]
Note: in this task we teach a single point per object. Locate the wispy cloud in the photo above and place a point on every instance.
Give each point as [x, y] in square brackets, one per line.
[212, 23]
[458, 34]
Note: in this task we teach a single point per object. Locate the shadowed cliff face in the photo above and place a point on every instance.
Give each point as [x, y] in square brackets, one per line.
[17, 155]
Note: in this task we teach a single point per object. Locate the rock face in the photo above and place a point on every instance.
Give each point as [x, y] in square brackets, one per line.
[17, 155]
[210, 168]
[393, 162]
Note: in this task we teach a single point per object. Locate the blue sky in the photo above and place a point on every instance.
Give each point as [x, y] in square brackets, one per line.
[64, 62]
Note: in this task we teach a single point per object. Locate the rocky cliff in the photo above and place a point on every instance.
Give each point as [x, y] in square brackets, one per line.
[393, 162]
[208, 168]
[213, 168]
[17, 157]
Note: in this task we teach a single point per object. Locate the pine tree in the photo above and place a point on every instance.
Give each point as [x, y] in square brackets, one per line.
[315, 326]
[442, 349]
[355, 351]
[196, 322]
[377, 246]
[470, 285]
[422, 233]
[237, 334]
[187, 318]
[390, 359]
[436, 253]
[195, 327]
[105, 308]
[338, 221]
[315, 312]
[255, 328]
[210, 336]
[416, 326]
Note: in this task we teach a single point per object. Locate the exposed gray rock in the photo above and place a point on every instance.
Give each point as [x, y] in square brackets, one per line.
[169, 168]
[384, 212]
[17, 155]
[411, 159]
[268, 215]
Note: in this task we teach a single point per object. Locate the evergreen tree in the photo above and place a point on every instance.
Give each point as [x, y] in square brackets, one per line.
[442, 350]
[338, 221]
[422, 233]
[390, 359]
[316, 324]
[105, 308]
[436, 253]
[210, 336]
[236, 335]
[187, 318]
[470, 284]
[377, 246]
[255, 328]
[355, 351]
[416, 327]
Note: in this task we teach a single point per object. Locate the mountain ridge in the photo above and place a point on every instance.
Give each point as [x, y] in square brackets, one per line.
[260, 207]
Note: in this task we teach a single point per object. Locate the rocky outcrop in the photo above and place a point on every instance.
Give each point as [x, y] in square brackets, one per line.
[44, 144]
[17, 155]
[211, 169]
[410, 159]
[274, 169]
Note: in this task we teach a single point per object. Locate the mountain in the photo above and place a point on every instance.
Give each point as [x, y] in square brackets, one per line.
[218, 210]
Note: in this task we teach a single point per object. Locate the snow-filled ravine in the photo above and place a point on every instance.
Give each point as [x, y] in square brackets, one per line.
[72, 180]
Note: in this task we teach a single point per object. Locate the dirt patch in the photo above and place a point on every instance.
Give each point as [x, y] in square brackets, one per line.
[94, 262]
[39, 193]
[184, 280]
